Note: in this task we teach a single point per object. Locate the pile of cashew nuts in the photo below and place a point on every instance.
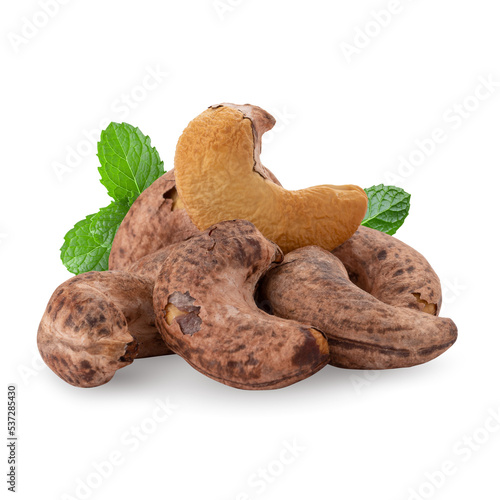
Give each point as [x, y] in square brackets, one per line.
[254, 286]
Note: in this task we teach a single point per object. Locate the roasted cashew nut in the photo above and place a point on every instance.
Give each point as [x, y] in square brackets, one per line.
[156, 219]
[312, 286]
[96, 323]
[391, 271]
[206, 312]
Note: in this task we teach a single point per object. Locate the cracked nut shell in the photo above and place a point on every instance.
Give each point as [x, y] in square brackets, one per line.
[206, 313]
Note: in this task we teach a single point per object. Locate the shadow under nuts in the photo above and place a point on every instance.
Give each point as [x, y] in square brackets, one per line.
[312, 286]
[206, 313]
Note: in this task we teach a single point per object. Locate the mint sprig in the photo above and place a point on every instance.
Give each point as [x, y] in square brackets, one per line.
[105, 223]
[129, 164]
[388, 207]
[81, 252]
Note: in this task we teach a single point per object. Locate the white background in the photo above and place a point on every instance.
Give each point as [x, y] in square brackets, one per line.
[340, 120]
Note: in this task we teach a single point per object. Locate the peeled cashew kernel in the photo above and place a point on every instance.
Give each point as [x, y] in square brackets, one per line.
[219, 177]
[206, 313]
[312, 286]
[156, 219]
[97, 323]
[391, 271]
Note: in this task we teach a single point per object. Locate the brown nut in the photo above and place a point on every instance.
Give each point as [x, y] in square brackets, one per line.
[156, 219]
[312, 286]
[391, 271]
[150, 265]
[96, 323]
[206, 312]
[219, 177]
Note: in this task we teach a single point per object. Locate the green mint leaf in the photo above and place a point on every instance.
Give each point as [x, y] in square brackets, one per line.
[388, 207]
[80, 252]
[129, 164]
[104, 225]
[86, 247]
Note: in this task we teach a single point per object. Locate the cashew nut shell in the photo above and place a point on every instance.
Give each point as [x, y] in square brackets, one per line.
[206, 313]
[96, 323]
[155, 219]
[312, 286]
[391, 270]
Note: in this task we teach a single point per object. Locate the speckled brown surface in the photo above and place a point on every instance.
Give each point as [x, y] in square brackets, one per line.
[210, 280]
[150, 224]
[312, 286]
[96, 323]
[390, 270]
[150, 265]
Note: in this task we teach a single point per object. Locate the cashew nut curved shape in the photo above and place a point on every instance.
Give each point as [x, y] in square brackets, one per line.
[391, 271]
[312, 286]
[219, 176]
[206, 313]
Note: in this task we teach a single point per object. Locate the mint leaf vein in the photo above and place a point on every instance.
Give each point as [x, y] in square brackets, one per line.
[388, 207]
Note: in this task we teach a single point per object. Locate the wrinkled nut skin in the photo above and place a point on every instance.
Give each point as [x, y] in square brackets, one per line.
[96, 323]
[391, 271]
[156, 219]
[312, 286]
[219, 177]
[149, 266]
[206, 313]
